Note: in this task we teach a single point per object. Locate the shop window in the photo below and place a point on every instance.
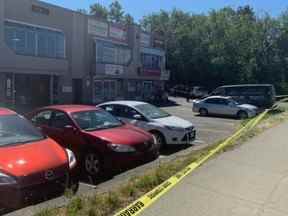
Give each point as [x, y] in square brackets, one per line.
[150, 61]
[34, 41]
[110, 53]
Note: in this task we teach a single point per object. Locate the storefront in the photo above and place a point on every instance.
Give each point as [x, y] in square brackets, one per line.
[26, 91]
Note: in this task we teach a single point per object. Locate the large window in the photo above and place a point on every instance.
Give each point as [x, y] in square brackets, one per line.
[110, 53]
[150, 61]
[34, 41]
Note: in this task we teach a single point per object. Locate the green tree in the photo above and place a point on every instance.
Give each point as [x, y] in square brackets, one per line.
[128, 19]
[99, 11]
[116, 13]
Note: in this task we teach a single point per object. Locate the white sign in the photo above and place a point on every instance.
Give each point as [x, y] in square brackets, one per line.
[165, 75]
[97, 28]
[118, 33]
[67, 89]
[114, 69]
[145, 40]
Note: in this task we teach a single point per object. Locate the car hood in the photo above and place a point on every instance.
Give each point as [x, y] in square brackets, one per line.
[174, 122]
[125, 135]
[248, 106]
[22, 160]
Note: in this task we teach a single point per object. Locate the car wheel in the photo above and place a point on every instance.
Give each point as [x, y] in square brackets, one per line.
[159, 138]
[92, 165]
[242, 115]
[203, 112]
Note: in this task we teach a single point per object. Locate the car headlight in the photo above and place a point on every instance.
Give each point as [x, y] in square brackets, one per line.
[173, 128]
[121, 148]
[6, 179]
[71, 158]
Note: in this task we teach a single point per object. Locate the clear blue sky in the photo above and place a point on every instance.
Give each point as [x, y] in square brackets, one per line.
[139, 8]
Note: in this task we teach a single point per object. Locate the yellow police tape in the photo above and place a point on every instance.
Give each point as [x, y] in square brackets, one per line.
[145, 201]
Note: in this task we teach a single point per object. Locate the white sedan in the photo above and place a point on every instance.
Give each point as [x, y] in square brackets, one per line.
[167, 129]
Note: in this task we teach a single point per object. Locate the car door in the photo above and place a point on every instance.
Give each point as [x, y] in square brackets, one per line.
[213, 106]
[231, 107]
[63, 130]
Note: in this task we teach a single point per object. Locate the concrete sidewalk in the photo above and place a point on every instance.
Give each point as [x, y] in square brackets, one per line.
[251, 180]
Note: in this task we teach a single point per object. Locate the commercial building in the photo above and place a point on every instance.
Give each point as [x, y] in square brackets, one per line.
[50, 54]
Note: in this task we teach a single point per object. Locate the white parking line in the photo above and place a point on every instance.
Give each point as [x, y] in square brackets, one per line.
[88, 185]
[198, 142]
[162, 156]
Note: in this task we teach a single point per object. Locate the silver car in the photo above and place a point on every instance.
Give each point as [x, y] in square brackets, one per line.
[218, 105]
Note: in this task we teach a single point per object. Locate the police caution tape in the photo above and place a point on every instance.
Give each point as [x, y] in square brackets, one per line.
[145, 201]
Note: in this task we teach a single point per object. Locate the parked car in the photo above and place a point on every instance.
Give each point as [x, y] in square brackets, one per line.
[166, 129]
[218, 105]
[261, 95]
[32, 166]
[100, 141]
[199, 92]
[180, 91]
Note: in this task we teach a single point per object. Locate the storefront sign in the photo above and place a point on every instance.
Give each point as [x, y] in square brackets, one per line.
[118, 33]
[145, 39]
[67, 89]
[114, 70]
[41, 10]
[158, 44]
[151, 72]
[165, 75]
[97, 28]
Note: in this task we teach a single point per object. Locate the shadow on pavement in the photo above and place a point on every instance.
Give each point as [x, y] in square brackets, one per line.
[169, 103]
[170, 150]
[217, 116]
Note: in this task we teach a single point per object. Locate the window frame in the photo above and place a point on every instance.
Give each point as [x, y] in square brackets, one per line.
[66, 115]
[36, 30]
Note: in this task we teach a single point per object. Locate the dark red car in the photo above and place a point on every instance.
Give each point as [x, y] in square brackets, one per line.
[100, 141]
[31, 165]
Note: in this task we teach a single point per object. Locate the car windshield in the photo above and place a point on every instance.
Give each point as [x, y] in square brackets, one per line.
[95, 120]
[15, 129]
[152, 112]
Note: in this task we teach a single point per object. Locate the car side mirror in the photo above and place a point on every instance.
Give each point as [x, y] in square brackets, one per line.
[137, 117]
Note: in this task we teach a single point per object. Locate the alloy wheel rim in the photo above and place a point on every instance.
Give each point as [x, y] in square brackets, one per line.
[92, 164]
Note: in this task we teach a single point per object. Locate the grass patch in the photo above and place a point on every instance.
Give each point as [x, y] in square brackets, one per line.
[105, 204]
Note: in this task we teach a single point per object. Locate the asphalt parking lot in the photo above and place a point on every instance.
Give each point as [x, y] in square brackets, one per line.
[209, 131]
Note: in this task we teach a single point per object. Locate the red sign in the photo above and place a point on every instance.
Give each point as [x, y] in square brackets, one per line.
[151, 72]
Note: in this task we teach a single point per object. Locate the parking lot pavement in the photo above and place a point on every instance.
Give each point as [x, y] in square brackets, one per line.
[209, 131]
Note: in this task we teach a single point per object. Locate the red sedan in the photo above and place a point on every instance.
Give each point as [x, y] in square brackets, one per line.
[100, 141]
[31, 165]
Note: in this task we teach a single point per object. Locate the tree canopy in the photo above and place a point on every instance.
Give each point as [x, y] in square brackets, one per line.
[226, 46]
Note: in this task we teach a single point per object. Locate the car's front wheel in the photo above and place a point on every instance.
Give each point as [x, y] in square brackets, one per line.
[242, 114]
[93, 165]
[203, 112]
[159, 139]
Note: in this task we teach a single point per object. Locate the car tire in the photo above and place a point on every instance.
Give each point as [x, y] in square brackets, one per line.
[242, 114]
[160, 139]
[92, 165]
[203, 112]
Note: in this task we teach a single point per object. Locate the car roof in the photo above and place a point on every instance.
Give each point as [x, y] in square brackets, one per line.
[71, 108]
[125, 102]
[247, 85]
[5, 111]
[217, 97]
